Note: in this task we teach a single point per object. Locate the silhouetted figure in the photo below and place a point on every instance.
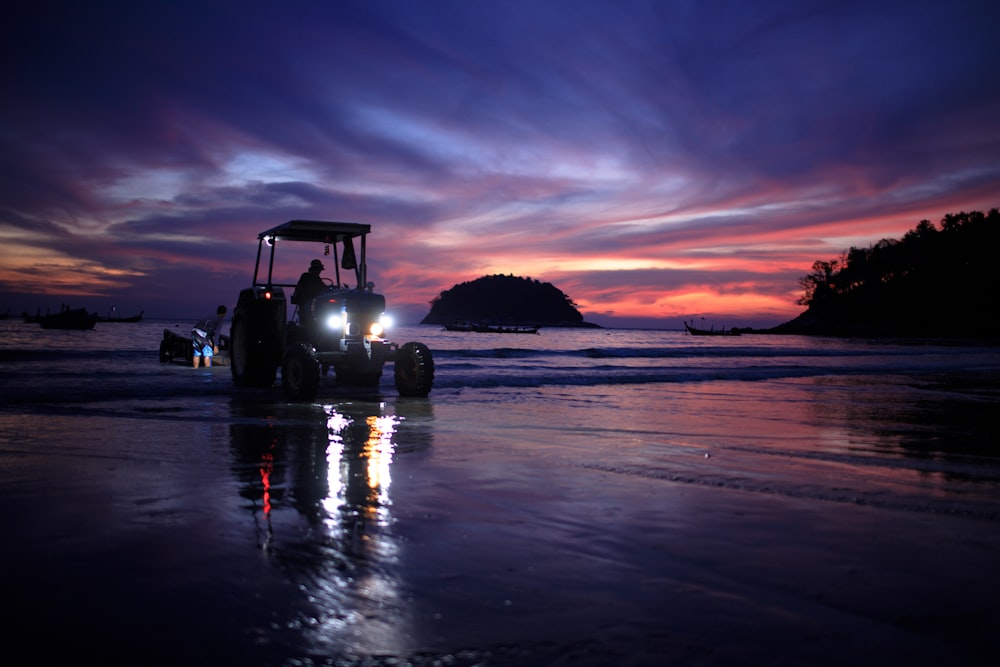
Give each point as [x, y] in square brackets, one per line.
[310, 286]
[203, 337]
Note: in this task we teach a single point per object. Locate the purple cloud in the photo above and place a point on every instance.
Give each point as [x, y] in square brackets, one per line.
[611, 148]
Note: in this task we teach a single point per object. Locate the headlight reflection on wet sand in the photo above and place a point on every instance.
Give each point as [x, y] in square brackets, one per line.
[357, 605]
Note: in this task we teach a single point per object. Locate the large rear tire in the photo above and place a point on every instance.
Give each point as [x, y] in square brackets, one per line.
[252, 354]
[414, 370]
[300, 373]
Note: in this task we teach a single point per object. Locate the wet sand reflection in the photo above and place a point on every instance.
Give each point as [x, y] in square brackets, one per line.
[319, 489]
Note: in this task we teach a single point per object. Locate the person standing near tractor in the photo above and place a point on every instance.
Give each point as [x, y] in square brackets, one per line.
[203, 337]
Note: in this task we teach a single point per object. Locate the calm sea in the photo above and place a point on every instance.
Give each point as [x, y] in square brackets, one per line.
[121, 359]
[864, 405]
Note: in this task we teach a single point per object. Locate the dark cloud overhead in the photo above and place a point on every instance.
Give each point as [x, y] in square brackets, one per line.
[587, 140]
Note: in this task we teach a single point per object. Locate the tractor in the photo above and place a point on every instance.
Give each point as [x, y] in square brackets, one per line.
[343, 327]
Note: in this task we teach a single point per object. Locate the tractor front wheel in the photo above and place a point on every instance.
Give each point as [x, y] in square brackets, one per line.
[300, 372]
[414, 370]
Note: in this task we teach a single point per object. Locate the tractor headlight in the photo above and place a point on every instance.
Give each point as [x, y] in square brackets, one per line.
[378, 328]
[335, 321]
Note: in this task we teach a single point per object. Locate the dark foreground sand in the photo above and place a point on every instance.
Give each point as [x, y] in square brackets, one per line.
[550, 527]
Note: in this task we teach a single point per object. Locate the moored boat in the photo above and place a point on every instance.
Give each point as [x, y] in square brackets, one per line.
[111, 317]
[69, 318]
[465, 325]
[694, 331]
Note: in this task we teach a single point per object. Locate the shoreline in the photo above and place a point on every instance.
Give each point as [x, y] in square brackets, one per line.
[503, 526]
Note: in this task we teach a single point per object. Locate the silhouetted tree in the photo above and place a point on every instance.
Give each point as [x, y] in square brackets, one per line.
[931, 282]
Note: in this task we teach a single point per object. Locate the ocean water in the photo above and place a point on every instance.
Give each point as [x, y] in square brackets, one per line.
[580, 496]
[115, 359]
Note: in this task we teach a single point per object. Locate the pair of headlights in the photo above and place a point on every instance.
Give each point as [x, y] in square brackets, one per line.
[339, 322]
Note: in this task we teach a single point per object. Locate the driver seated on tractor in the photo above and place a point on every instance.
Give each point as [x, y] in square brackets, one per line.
[310, 286]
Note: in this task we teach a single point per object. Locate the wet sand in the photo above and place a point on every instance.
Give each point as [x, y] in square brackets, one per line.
[728, 524]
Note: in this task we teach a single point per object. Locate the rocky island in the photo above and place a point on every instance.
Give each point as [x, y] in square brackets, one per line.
[509, 301]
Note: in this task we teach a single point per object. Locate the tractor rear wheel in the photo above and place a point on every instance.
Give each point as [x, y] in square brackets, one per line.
[252, 354]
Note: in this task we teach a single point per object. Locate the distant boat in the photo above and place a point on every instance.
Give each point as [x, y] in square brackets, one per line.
[112, 318]
[466, 325]
[69, 318]
[694, 331]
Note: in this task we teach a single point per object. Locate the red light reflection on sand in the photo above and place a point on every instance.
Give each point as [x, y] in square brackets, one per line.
[266, 468]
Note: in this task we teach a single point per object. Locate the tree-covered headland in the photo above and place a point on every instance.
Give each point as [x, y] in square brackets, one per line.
[938, 281]
[507, 300]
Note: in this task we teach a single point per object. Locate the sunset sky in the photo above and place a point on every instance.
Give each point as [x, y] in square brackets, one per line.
[656, 160]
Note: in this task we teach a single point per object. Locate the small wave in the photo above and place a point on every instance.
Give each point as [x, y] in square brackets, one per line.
[88, 368]
[843, 495]
[672, 352]
[612, 375]
[22, 355]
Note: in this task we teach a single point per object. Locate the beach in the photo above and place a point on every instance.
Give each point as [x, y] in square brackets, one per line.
[600, 498]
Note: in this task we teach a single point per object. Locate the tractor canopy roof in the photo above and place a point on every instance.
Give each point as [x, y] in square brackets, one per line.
[315, 230]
